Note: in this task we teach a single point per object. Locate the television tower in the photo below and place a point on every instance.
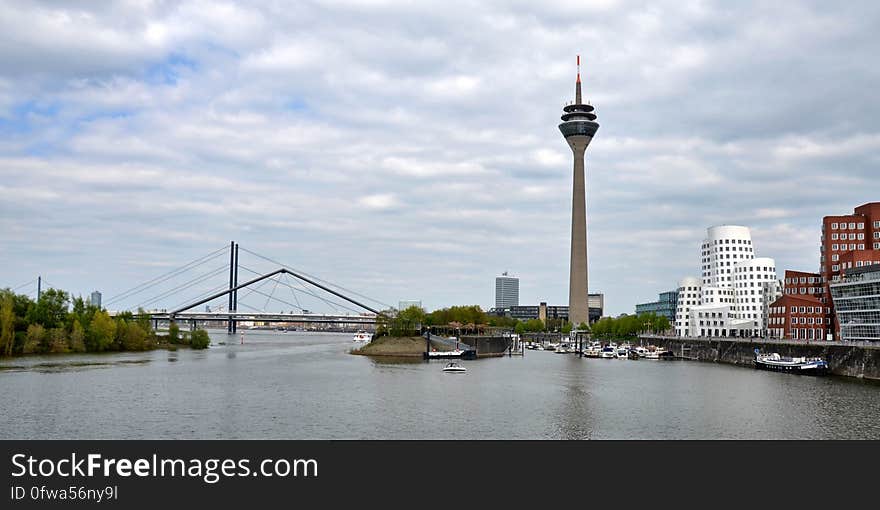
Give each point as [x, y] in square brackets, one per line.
[578, 127]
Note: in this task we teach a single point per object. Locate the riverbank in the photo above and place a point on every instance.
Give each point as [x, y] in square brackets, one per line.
[405, 347]
[858, 361]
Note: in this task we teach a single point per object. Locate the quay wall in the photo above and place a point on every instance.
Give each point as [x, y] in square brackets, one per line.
[487, 345]
[861, 361]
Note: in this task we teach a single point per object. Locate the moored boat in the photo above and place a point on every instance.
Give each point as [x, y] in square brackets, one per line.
[802, 365]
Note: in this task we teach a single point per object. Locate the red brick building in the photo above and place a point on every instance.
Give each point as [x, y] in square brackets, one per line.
[851, 240]
[800, 283]
[798, 317]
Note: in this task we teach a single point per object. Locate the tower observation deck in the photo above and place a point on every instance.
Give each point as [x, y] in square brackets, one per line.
[578, 127]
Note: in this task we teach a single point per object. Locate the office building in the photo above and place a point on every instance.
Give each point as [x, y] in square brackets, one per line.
[856, 298]
[735, 289]
[506, 291]
[543, 311]
[95, 299]
[665, 305]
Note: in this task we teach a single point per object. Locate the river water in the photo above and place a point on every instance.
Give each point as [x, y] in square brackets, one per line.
[300, 385]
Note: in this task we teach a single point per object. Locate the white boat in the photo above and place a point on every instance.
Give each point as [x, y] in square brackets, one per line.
[608, 352]
[622, 351]
[454, 367]
[363, 337]
[594, 350]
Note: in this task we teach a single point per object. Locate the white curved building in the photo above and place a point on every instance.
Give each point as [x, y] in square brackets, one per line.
[736, 288]
[688, 297]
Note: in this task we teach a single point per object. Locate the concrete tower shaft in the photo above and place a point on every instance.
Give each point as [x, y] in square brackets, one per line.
[578, 127]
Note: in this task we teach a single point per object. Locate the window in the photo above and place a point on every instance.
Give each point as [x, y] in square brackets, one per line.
[861, 246]
[852, 226]
[834, 237]
[861, 226]
[860, 237]
[834, 226]
[876, 235]
[877, 224]
[877, 246]
[835, 257]
[852, 246]
[834, 247]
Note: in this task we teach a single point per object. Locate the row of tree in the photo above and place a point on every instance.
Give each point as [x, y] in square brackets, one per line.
[469, 318]
[629, 326]
[55, 324]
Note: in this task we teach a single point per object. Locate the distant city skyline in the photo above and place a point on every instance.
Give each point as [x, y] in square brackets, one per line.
[399, 151]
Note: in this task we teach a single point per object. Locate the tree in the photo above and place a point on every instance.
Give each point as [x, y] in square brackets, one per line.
[7, 324]
[51, 310]
[199, 339]
[174, 333]
[566, 328]
[520, 328]
[408, 321]
[36, 334]
[102, 332]
[76, 342]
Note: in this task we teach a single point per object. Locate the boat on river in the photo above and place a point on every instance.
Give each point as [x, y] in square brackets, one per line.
[454, 367]
[802, 365]
[363, 337]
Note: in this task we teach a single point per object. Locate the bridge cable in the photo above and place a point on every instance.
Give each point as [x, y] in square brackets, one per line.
[316, 278]
[137, 289]
[25, 284]
[292, 293]
[273, 293]
[333, 304]
[194, 281]
[306, 291]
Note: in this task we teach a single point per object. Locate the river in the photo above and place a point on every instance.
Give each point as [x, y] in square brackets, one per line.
[300, 385]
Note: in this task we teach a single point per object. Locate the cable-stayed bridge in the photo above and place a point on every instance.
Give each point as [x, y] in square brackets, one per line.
[219, 287]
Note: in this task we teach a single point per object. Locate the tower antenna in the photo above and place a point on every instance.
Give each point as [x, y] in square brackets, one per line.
[577, 91]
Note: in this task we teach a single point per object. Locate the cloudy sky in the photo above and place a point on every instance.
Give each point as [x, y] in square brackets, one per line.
[410, 150]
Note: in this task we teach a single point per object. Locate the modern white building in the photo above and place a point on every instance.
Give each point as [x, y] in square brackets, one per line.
[506, 291]
[736, 291]
[689, 296]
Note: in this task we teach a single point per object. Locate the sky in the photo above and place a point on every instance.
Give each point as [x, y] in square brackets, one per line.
[410, 150]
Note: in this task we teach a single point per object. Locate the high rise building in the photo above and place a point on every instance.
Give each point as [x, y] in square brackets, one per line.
[95, 299]
[506, 291]
[737, 288]
[578, 127]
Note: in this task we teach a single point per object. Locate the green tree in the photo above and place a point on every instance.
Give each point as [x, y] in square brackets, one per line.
[7, 324]
[76, 342]
[408, 321]
[51, 310]
[174, 333]
[36, 335]
[101, 333]
[534, 325]
[199, 339]
[520, 328]
[566, 328]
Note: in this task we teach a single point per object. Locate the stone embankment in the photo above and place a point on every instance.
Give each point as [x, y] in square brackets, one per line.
[851, 360]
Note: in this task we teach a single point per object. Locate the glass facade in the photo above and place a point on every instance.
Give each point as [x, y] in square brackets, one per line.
[857, 302]
[665, 305]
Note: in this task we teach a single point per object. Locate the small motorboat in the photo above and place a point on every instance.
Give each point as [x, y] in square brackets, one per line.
[454, 367]
[363, 336]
